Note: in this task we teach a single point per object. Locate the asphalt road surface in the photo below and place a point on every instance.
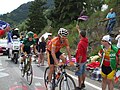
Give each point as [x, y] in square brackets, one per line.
[11, 79]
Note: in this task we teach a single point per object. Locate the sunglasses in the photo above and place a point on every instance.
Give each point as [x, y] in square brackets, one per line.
[104, 41]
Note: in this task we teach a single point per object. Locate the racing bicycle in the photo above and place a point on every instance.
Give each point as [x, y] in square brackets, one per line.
[64, 80]
[27, 69]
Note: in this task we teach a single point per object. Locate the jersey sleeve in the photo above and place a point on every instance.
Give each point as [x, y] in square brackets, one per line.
[24, 41]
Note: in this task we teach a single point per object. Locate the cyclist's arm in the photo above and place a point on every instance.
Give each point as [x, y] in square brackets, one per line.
[34, 48]
[22, 46]
[68, 50]
[53, 54]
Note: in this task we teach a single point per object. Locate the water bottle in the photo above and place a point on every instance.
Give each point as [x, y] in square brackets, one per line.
[58, 73]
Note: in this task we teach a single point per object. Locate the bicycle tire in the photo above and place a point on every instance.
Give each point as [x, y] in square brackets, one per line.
[23, 70]
[61, 87]
[29, 75]
[46, 77]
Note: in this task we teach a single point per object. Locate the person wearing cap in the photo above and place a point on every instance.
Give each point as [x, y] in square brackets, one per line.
[110, 57]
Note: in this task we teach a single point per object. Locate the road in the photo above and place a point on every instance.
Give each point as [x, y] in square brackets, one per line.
[10, 77]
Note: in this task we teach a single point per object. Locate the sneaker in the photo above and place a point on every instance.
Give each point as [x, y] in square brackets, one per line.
[21, 66]
[82, 85]
[38, 65]
[49, 86]
[78, 88]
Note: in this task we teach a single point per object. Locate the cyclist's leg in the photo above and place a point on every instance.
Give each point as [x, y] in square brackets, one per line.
[25, 50]
[51, 69]
[63, 58]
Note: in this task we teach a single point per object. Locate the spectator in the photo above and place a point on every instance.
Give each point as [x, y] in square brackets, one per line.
[49, 39]
[42, 49]
[110, 55]
[81, 58]
[111, 18]
[118, 39]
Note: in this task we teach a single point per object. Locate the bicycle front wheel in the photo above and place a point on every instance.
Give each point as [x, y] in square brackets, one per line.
[29, 75]
[46, 76]
[67, 84]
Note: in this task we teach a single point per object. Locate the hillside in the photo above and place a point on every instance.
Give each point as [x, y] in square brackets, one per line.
[20, 14]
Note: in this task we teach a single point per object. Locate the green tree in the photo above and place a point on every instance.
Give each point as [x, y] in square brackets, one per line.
[37, 20]
[65, 11]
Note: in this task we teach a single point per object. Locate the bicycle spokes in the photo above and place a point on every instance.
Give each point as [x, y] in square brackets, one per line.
[29, 75]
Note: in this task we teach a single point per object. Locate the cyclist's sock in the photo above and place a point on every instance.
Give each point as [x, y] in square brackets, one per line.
[49, 86]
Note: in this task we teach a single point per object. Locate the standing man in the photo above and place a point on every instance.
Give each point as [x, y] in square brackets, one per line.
[111, 18]
[81, 58]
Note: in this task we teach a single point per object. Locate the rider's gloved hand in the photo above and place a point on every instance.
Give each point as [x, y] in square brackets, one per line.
[77, 64]
[60, 63]
[71, 63]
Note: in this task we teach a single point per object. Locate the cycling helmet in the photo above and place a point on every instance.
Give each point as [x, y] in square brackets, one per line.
[63, 32]
[30, 34]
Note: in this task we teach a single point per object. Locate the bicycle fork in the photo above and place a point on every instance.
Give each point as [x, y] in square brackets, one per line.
[66, 86]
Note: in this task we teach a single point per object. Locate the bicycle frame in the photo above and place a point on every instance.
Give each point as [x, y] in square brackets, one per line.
[27, 69]
[63, 74]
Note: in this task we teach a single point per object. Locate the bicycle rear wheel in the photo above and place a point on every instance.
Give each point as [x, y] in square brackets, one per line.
[29, 75]
[67, 84]
[46, 76]
[23, 70]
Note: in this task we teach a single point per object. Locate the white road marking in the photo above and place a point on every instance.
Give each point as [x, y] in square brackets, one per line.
[2, 69]
[0, 63]
[3, 74]
[38, 77]
[38, 84]
[92, 85]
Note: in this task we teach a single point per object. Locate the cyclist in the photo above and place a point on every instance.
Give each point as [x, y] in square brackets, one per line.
[54, 52]
[26, 46]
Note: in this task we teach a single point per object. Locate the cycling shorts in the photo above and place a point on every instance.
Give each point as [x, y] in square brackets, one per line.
[107, 72]
[27, 50]
[50, 58]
